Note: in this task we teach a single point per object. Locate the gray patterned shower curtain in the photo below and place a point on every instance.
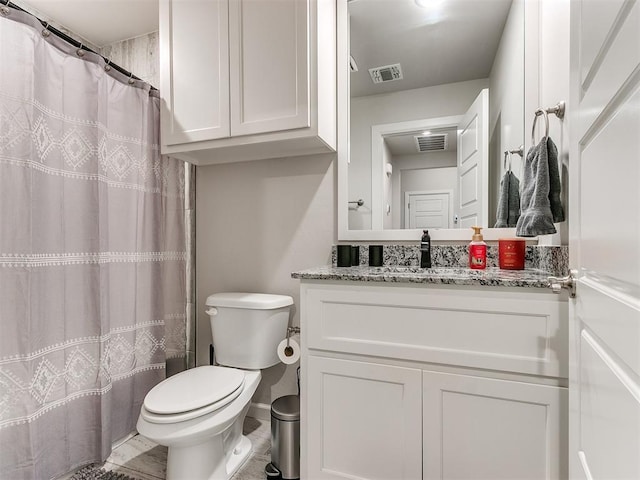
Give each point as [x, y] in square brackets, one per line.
[92, 253]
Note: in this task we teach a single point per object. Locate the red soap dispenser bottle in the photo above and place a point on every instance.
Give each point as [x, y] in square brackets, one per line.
[477, 250]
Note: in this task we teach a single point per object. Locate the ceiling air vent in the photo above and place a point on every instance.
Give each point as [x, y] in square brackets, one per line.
[430, 143]
[388, 73]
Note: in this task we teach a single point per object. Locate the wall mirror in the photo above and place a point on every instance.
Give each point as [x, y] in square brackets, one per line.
[435, 98]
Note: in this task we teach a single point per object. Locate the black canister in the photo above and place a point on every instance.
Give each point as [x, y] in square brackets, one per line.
[425, 250]
[355, 256]
[375, 255]
[344, 255]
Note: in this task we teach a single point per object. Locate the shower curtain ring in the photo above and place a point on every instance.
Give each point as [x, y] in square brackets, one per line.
[80, 51]
[107, 67]
[131, 80]
[5, 10]
[45, 32]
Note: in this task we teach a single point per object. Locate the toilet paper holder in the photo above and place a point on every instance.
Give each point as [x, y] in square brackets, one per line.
[290, 331]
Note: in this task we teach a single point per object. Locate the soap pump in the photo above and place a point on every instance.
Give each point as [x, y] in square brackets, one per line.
[425, 250]
[477, 250]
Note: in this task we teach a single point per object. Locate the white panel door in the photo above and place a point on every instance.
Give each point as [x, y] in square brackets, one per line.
[194, 36]
[363, 420]
[473, 163]
[426, 210]
[481, 428]
[604, 216]
[269, 63]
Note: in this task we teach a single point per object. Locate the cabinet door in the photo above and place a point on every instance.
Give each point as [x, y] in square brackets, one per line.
[194, 66]
[269, 62]
[481, 428]
[363, 420]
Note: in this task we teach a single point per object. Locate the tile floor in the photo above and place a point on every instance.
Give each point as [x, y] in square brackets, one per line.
[142, 459]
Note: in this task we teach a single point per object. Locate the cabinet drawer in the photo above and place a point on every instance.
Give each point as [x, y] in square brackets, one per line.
[481, 327]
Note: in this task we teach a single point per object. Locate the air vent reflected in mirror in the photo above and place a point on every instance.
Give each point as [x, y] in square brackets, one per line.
[388, 73]
[430, 143]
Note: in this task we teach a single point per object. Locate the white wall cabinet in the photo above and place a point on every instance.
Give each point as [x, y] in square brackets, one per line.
[246, 80]
[433, 382]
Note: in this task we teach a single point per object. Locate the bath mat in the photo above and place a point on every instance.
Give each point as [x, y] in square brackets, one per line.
[96, 472]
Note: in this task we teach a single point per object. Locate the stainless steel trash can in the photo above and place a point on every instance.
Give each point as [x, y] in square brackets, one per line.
[285, 436]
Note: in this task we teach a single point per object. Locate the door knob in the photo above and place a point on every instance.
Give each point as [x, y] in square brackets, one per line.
[558, 283]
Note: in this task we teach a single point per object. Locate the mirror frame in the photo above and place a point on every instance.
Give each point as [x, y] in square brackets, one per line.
[531, 99]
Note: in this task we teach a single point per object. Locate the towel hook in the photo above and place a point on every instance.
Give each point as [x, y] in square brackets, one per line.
[519, 151]
[507, 153]
[539, 112]
[558, 110]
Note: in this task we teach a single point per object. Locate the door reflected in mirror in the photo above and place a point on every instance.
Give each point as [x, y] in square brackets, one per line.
[413, 68]
[422, 178]
[441, 166]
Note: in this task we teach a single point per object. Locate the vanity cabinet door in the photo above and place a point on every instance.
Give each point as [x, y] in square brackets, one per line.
[483, 428]
[363, 420]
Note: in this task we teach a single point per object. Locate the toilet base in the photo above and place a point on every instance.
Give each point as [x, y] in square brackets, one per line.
[239, 455]
[209, 447]
[203, 460]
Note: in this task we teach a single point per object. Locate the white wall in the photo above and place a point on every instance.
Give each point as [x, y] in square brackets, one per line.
[439, 101]
[506, 103]
[256, 222]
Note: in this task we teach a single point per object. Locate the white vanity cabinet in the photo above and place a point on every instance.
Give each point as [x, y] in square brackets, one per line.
[246, 79]
[406, 381]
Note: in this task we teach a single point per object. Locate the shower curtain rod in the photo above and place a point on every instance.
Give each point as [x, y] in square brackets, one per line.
[72, 41]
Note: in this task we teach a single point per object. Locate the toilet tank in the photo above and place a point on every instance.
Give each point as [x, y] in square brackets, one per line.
[247, 328]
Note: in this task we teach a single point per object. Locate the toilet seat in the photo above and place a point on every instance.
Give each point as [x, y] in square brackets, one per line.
[192, 393]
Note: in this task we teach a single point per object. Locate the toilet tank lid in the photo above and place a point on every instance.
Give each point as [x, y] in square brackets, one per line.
[254, 301]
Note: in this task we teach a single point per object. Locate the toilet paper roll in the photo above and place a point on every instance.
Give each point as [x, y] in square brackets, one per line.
[290, 354]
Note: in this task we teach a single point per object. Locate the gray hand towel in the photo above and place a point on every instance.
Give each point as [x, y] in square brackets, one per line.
[508, 202]
[540, 199]
[555, 187]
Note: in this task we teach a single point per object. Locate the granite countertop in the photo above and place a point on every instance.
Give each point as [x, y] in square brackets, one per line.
[491, 276]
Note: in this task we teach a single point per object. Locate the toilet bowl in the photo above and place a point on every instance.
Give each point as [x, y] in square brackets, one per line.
[205, 442]
[199, 413]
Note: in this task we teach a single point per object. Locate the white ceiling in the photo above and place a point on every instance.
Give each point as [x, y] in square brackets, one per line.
[453, 41]
[100, 21]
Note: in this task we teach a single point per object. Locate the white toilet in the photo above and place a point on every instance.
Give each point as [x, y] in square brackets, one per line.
[199, 413]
